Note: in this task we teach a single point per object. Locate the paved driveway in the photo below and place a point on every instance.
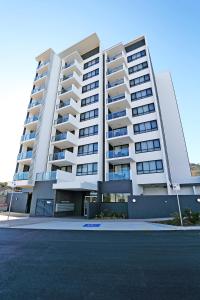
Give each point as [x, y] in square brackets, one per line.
[100, 265]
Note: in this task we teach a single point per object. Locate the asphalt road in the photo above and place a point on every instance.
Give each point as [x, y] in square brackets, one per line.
[39, 264]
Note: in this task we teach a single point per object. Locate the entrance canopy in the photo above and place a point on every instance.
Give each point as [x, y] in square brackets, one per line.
[75, 186]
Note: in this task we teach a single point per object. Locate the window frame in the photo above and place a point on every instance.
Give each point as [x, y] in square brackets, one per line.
[142, 149]
[145, 167]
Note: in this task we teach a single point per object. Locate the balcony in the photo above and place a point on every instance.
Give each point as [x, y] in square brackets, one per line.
[120, 156]
[31, 122]
[63, 158]
[119, 119]
[70, 79]
[40, 78]
[120, 136]
[43, 66]
[64, 140]
[117, 72]
[69, 67]
[34, 106]
[123, 175]
[70, 92]
[116, 59]
[59, 176]
[118, 86]
[21, 176]
[119, 101]
[28, 138]
[66, 122]
[37, 91]
[46, 176]
[67, 107]
[25, 156]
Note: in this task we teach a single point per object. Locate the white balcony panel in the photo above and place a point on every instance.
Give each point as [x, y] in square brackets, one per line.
[70, 92]
[119, 119]
[69, 123]
[64, 158]
[65, 140]
[68, 107]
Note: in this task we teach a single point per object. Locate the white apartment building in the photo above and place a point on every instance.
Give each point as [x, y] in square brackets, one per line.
[100, 123]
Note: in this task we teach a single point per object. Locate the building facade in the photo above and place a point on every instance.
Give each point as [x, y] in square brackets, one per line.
[100, 125]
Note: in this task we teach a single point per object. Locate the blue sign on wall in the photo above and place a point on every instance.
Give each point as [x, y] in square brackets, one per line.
[91, 225]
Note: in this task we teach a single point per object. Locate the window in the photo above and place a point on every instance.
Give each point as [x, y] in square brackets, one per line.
[91, 74]
[145, 127]
[89, 87]
[116, 197]
[142, 110]
[139, 80]
[89, 115]
[91, 63]
[88, 149]
[90, 100]
[136, 55]
[138, 67]
[86, 169]
[147, 146]
[141, 94]
[88, 131]
[148, 167]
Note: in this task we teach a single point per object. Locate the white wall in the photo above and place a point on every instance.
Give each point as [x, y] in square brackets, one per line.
[47, 117]
[175, 142]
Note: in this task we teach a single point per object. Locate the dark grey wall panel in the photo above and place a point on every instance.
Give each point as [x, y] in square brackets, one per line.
[115, 186]
[19, 202]
[93, 209]
[120, 208]
[159, 206]
[42, 190]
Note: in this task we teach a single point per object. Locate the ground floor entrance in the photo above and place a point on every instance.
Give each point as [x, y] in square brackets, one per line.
[73, 203]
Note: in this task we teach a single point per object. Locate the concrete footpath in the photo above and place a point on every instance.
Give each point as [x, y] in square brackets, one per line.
[84, 224]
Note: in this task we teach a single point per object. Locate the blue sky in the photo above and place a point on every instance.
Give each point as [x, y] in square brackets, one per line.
[29, 27]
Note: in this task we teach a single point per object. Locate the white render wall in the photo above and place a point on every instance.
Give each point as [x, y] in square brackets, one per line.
[47, 117]
[175, 142]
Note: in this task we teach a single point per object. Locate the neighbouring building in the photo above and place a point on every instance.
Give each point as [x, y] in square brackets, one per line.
[100, 125]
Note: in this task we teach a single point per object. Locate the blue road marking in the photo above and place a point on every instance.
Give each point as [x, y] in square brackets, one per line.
[91, 225]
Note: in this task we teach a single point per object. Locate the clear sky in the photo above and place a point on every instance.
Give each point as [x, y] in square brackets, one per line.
[30, 27]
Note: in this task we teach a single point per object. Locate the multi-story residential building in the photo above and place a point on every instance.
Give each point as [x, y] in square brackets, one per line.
[101, 124]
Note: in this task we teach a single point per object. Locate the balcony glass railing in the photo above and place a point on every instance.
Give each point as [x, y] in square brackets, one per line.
[37, 89]
[67, 65]
[44, 63]
[62, 120]
[25, 155]
[117, 132]
[65, 90]
[110, 71]
[63, 104]
[34, 103]
[31, 119]
[118, 153]
[40, 76]
[46, 176]
[109, 59]
[21, 176]
[57, 156]
[59, 137]
[117, 114]
[28, 136]
[115, 83]
[122, 175]
[65, 77]
[115, 98]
